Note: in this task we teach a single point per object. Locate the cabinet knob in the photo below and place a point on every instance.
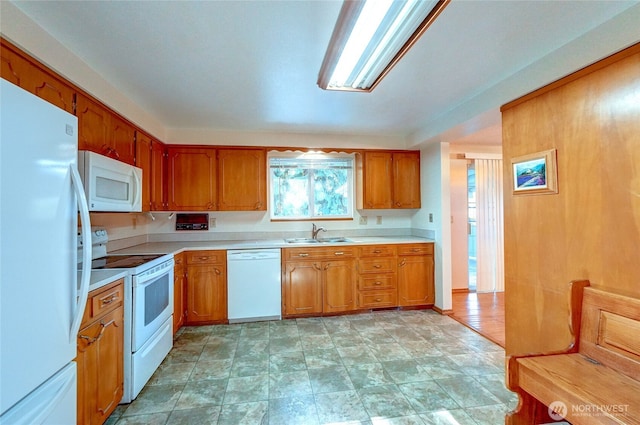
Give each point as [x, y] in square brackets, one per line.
[376, 266]
[378, 300]
[378, 283]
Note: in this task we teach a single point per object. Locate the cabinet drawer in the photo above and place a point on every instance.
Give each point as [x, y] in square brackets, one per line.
[377, 281]
[375, 299]
[378, 251]
[377, 265]
[318, 253]
[102, 301]
[206, 257]
[415, 249]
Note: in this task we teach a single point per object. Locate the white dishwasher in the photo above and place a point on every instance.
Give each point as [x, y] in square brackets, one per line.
[253, 285]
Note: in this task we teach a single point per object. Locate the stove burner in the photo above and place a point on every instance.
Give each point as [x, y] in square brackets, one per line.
[122, 261]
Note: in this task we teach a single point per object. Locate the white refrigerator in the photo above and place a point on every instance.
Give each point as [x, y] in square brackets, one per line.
[41, 297]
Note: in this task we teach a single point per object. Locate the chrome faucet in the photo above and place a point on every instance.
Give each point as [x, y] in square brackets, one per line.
[316, 230]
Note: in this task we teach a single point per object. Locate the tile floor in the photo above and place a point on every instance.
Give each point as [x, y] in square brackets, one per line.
[386, 367]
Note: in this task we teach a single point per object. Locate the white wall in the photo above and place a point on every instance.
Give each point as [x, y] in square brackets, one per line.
[434, 166]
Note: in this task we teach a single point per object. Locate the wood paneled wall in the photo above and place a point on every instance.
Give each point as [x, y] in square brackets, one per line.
[591, 228]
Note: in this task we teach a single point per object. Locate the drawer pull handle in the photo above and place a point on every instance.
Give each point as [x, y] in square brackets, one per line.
[303, 254]
[416, 249]
[103, 326]
[107, 301]
[376, 266]
[338, 253]
[376, 251]
[378, 300]
[378, 283]
[203, 258]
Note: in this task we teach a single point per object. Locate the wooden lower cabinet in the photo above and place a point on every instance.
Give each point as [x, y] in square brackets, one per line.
[100, 354]
[339, 286]
[179, 292]
[318, 280]
[302, 288]
[206, 287]
[377, 277]
[415, 275]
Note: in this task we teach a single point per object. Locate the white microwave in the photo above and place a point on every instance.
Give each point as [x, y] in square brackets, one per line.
[110, 185]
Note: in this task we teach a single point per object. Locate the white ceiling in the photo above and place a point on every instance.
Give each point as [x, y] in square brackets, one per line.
[253, 65]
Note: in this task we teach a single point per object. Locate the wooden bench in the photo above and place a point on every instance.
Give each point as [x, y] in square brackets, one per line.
[596, 380]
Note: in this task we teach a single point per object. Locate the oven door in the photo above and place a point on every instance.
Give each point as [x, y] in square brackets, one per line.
[152, 302]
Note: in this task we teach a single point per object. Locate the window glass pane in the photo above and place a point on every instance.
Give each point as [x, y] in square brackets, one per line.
[290, 187]
[303, 188]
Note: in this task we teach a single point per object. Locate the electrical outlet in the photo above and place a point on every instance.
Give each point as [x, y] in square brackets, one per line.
[363, 219]
[379, 219]
[430, 217]
[212, 222]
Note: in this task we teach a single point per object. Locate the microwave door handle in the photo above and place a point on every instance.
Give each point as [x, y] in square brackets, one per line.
[137, 187]
[83, 292]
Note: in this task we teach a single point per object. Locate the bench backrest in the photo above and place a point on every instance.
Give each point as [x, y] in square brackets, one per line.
[610, 330]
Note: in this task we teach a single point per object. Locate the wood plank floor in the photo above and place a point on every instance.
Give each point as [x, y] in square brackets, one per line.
[482, 312]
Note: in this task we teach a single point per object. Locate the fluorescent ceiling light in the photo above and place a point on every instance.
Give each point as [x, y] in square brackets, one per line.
[370, 37]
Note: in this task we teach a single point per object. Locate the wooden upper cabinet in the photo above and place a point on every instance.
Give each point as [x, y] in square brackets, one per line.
[242, 180]
[32, 78]
[122, 140]
[103, 132]
[143, 160]
[93, 126]
[388, 180]
[192, 178]
[376, 180]
[158, 176]
[406, 180]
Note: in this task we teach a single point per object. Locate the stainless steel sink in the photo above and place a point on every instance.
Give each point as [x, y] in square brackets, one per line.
[319, 240]
[334, 240]
[301, 240]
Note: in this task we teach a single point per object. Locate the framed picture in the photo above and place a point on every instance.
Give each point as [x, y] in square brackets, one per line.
[535, 173]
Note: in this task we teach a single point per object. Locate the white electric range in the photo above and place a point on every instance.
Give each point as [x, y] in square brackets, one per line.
[148, 310]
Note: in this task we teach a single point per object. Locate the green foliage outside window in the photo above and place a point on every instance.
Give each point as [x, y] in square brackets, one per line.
[318, 188]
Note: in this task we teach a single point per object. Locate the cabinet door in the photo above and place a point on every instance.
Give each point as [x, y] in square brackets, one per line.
[206, 294]
[28, 76]
[302, 287]
[242, 180]
[158, 176]
[192, 179]
[93, 126]
[406, 180]
[339, 286]
[179, 292]
[415, 280]
[100, 368]
[376, 180]
[122, 140]
[143, 160]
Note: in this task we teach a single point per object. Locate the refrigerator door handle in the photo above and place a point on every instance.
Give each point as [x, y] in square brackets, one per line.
[83, 292]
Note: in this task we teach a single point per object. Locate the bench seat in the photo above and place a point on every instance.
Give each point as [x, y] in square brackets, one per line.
[596, 380]
[584, 387]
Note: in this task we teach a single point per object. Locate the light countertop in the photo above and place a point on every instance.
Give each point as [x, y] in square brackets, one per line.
[100, 278]
[177, 247]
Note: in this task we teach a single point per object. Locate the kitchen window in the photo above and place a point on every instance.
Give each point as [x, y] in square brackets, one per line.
[311, 186]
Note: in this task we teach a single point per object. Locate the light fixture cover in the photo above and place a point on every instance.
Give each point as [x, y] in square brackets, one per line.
[370, 36]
